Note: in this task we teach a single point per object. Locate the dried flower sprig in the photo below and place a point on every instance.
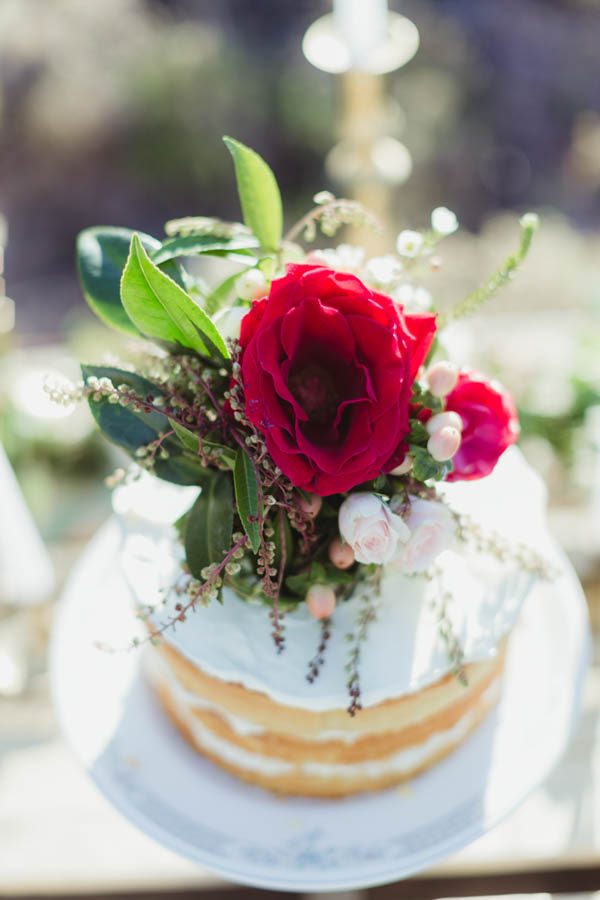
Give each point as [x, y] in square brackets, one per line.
[329, 215]
[454, 650]
[493, 544]
[365, 616]
[318, 660]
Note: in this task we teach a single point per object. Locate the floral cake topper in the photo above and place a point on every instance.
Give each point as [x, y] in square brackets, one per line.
[305, 395]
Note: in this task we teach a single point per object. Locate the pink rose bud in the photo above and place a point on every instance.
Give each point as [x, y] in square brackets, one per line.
[311, 505]
[444, 443]
[320, 600]
[341, 554]
[443, 419]
[442, 378]
[404, 467]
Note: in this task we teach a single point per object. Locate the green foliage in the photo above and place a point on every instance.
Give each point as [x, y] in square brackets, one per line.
[191, 442]
[259, 195]
[246, 497]
[210, 524]
[162, 310]
[288, 538]
[101, 256]
[207, 245]
[317, 573]
[425, 467]
[418, 433]
[131, 429]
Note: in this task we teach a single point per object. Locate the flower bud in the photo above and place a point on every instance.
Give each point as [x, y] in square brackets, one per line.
[251, 285]
[443, 419]
[444, 443]
[320, 599]
[404, 467]
[311, 504]
[341, 554]
[442, 378]
[443, 220]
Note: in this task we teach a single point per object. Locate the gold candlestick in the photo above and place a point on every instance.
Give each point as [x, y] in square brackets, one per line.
[368, 161]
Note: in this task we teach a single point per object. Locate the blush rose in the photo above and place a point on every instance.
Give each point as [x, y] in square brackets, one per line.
[432, 531]
[371, 529]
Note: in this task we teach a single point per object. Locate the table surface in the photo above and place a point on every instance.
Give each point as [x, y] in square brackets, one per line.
[58, 835]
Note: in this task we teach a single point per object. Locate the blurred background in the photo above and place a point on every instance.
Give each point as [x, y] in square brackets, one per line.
[112, 113]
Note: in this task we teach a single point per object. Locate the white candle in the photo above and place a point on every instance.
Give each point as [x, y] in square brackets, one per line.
[362, 25]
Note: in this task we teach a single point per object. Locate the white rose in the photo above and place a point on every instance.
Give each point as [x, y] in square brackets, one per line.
[228, 321]
[371, 528]
[345, 258]
[432, 529]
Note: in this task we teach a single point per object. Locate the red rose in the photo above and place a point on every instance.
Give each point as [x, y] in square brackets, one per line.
[490, 425]
[327, 368]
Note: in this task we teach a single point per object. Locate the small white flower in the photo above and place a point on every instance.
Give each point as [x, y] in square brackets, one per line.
[350, 258]
[444, 221]
[414, 299]
[371, 529]
[228, 321]
[251, 285]
[529, 220]
[432, 530]
[345, 258]
[383, 270]
[409, 243]
[323, 197]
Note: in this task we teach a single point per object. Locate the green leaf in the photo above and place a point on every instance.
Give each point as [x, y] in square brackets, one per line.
[131, 429]
[101, 256]
[425, 467]
[190, 440]
[198, 245]
[259, 195]
[121, 425]
[246, 497]
[162, 310]
[418, 433]
[299, 584]
[210, 524]
[289, 540]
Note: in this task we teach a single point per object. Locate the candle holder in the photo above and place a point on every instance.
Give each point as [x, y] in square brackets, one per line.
[326, 47]
[367, 160]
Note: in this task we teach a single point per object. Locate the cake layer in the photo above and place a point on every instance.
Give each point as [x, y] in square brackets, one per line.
[254, 721]
[306, 768]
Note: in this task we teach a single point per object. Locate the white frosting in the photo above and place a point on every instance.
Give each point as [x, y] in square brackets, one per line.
[405, 761]
[402, 652]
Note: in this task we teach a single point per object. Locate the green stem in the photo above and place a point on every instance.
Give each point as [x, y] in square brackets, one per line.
[529, 223]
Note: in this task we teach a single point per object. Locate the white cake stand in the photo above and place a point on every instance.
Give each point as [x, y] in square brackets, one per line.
[147, 770]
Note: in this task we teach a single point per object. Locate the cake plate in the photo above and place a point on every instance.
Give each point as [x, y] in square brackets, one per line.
[147, 770]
